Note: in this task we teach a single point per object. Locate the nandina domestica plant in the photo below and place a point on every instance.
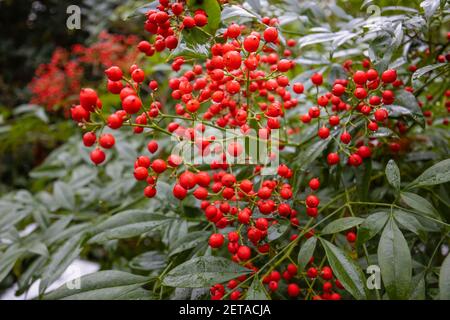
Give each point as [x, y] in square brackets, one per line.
[272, 162]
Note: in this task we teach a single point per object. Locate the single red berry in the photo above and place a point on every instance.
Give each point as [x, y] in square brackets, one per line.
[114, 73]
[298, 88]
[244, 253]
[312, 201]
[346, 137]
[360, 77]
[273, 286]
[251, 43]
[159, 166]
[312, 272]
[351, 237]
[107, 140]
[323, 132]
[149, 191]
[333, 158]
[179, 192]
[314, 183]
[97, 156]
[132, 104]
[152, 146]
[88, 99]
[271, 34]
[89, 139]
[317, 79]
[216, 240]
[293, 290]
[233, 31]
[389, 76]
[141, 173]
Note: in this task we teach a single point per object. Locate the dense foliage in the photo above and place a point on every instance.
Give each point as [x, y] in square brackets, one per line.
[354, 105]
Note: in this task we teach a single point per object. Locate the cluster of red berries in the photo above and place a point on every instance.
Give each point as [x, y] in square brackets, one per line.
[350, 99]
[243, 82]
[166, 23]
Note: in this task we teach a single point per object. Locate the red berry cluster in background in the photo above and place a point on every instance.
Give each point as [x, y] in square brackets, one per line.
[57, 83]
[244, 81]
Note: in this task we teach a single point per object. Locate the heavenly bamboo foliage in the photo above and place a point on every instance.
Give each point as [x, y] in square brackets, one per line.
[382, 208]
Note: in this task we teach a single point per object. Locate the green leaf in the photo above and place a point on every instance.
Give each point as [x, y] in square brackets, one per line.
[341, 225]
[418, 289]
[190, 241]
[102, 285]
[59, 262]
[277, 230]
[371, 226]
[127, 224]
[148, 261]
[418, 203]
[212, 9]
[311, 153]
[406, 100]
[306, 252]
[192, 43]
[64, 195]
[408, 221]
[346, 270]
[203, 272]
[233, 12]
[8, 259]
[393, 174]
[257, 291]
[424, 70]
[437, 174]
[444, 279]
[429, 7]
[395, 263]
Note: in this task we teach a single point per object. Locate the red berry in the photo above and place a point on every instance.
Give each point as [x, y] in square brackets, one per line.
[271, 34]
[88, 98]
[312, 201]
[138, 75]
[360, 93]
[152, 146]
[273, 286]
[131, 104]
[317, 79]
[107, 140]
[324, 132]
[364, 152]
[381, 115]
[114, 73]
[293, 290]
[149, 191]
[97, 156]
[251, 43]
[188, 22]
[89, 139]
[159, 166]
[351, 237]
[216, 240]
[314, 183]
[234, 31]
[141, 173]
[360, 77]
[346, 137]
[333, 158]
[179, 192]
[244, 253]
[389, 76]
[298, 88]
